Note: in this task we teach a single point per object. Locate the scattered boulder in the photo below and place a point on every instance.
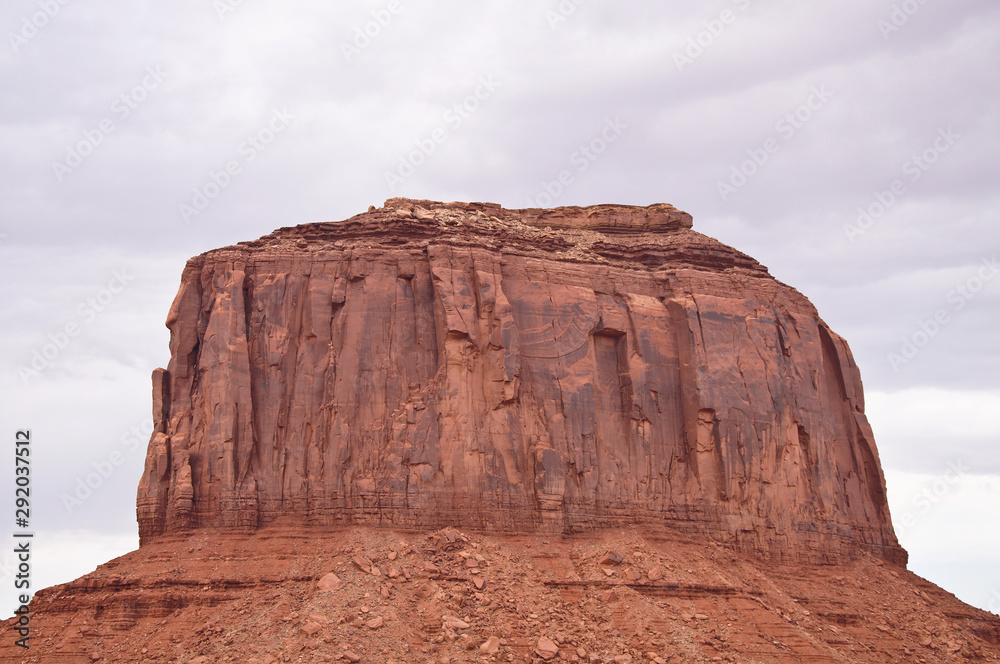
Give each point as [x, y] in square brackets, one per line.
[311, 628]
[490, 646]
[329, 583]
[611, 558]
[546, 648]
[450, 622]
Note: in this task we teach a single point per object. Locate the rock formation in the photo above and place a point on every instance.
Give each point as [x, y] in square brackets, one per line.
[446, 364]
[654, 453]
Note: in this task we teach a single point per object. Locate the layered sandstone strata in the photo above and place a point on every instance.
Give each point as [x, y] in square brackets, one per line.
[429, 364]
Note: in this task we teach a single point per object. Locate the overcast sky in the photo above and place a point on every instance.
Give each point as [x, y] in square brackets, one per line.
[851, 147]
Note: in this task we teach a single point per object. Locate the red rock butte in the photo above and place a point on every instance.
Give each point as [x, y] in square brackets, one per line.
[656, 453]
[433, 364]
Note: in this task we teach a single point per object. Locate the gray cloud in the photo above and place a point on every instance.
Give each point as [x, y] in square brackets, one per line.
[219, 80]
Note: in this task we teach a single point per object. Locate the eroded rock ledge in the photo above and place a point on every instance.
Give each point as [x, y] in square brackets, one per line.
[428, 364]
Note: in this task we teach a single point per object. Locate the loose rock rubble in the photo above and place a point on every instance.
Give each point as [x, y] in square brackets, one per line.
[268, 599]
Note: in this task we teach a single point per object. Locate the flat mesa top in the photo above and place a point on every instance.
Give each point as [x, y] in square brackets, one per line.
[605, 217]
[630, 236]
[419, 216]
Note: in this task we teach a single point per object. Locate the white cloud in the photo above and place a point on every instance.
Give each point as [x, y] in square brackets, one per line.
[934, 413]
[948, 524]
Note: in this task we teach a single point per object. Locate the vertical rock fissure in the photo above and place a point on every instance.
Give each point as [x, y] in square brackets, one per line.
[252, 340]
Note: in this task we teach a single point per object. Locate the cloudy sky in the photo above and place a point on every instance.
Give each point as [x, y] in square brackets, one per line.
[850, 146]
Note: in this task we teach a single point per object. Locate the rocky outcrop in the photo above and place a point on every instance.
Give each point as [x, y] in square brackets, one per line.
[428, 364]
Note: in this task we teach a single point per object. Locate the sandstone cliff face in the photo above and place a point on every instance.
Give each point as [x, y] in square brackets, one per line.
[429, 364]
